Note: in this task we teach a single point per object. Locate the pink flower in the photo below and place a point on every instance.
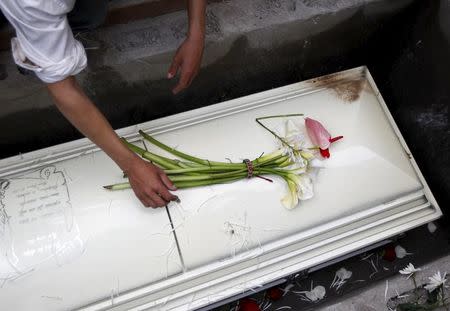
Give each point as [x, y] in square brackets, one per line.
[320, 136]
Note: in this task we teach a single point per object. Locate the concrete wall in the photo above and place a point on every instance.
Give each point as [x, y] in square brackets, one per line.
[413, 72]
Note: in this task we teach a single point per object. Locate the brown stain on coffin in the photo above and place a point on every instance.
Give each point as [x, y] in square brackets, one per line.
[345, 88]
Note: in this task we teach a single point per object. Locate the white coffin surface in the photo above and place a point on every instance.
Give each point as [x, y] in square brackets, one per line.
[233, 237]
[66, 242]
[367, 168]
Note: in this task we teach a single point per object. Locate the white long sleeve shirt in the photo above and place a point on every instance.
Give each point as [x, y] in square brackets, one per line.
[44, 43]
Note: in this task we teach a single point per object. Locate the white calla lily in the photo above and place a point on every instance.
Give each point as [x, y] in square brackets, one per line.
[290, 200]
[300, 188]
[305, 189]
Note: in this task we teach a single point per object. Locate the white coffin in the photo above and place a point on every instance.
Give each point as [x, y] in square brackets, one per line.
[67, 243]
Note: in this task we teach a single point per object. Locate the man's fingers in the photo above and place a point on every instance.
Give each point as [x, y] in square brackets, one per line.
[167, 182]
[166, 195]
[173, 69]
[145, 200]
[159, 201]
[183, 83]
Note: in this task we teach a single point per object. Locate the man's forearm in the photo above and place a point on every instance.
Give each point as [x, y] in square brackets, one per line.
[196, 12]
[150, 184]
[82, 113]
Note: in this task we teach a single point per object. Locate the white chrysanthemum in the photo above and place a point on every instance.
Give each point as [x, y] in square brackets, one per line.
[409, 270]
[436, 281]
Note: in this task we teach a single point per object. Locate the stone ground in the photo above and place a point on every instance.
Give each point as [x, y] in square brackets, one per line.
[373, 297]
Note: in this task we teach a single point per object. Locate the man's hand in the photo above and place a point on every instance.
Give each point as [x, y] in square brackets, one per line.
[187, 60]
[150, 184]
[189, 55]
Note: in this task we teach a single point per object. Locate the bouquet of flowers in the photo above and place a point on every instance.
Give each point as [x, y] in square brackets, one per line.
[291, 161]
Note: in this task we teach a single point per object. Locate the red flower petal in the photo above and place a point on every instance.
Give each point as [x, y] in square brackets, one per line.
[274, 293]
[317, 133]
[325, 153]
[389, 253]
[332, 140]
[247, 304]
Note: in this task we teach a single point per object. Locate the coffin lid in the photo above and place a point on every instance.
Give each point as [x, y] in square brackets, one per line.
[67, 243]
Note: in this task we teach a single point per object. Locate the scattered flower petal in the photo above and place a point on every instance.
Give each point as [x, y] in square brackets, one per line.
[400, 252]
[247, 304]
[386, 289]
[274, 293]
[389, 253]
[344, 274]
[431, 227]
[318, 293]
[340, 278]
[287, 289]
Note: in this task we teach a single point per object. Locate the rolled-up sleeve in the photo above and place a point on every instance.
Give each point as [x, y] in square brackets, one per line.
[44, 43]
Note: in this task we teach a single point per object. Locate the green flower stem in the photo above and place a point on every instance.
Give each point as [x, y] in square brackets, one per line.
[414, 281]
[185, 155]
[285, 163]
[240, 173]
[160, 160]
[264, 159]
[272, 132]
[121, 186]
[184, 184]
[284, 159]
[199, 183]
[283, 171]
[189, 164]
[270, 156]
[281, 116]
[275, 159]
[201, 169]
[274, 171]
